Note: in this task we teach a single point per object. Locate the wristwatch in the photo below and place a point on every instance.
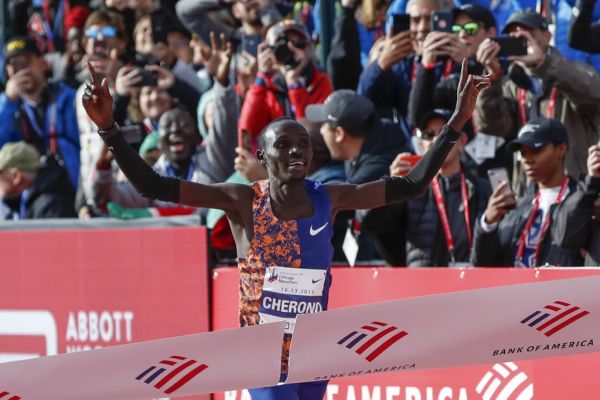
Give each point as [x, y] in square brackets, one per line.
[106, 134]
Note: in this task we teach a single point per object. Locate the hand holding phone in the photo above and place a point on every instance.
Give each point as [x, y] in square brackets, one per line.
[441, 21]
[149, 78]
[403, 163]
[511, 46]
[497, 177]
[400, 23]
[502, 199]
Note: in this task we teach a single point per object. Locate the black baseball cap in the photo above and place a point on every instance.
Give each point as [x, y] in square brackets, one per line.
[477, 13]
[539, 132]
[441, 113]
[20, 45]
[343, 107]
[528, 18]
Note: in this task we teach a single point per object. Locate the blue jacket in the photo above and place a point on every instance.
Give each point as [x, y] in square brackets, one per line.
[66, 128]
[503, 9]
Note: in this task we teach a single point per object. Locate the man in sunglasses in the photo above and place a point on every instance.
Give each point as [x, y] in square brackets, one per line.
[287, 80]
[540, 83]
[104, 43]
[471, 25]
[437, 225]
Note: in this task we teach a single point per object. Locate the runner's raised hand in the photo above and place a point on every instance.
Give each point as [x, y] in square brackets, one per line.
[97, 101]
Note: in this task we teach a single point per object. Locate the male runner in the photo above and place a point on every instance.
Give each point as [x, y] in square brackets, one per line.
[282, 226]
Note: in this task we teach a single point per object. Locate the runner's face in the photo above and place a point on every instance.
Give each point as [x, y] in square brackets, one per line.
[288, 152]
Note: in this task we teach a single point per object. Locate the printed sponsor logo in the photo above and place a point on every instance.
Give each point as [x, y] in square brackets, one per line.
[505, 381]
[29, 324]
[554, 317]
[8, 396]
[374, 339]
[272, 275]
[176, 371]
[315, 232]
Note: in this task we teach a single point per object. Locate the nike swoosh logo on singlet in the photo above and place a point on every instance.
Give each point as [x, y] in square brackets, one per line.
[314, 232]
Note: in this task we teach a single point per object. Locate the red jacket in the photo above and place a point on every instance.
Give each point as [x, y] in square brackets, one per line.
[263, 101]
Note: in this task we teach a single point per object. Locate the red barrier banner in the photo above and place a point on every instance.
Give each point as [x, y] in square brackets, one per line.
[66, 291]
[570, 377]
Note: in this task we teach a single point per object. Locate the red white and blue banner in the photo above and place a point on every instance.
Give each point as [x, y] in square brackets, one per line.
[174, 367]
[493, 325]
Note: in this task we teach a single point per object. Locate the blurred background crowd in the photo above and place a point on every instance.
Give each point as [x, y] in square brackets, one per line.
[194, 82]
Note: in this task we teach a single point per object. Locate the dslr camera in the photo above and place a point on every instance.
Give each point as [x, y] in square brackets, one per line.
[284, 55]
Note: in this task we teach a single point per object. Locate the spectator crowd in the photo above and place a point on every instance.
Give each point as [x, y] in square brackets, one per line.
[194, 82]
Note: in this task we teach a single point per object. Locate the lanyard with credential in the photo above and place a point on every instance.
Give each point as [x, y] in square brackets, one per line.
[50, 123]
[525, 232]
[549, 108]
[441, 206]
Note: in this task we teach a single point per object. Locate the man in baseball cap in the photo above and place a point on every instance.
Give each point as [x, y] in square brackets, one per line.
[19, 163]
[539, 132]
[31, 187]
[352, 131]
[526, 18]
[540, 82]
[20, 45]
[548, 224]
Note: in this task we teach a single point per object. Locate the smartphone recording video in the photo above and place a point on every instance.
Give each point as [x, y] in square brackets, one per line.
[441, 21]
[511, 46]
[149, 78]
[497, 176]
[400, 23]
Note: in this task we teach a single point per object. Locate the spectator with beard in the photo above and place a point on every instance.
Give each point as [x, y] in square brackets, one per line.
[287, 81]
[41, 113]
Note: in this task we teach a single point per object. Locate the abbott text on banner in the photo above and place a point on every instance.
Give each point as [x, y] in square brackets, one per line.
[173, 367]
[484, 326]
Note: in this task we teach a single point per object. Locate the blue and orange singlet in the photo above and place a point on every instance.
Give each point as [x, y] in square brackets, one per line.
[287, 268]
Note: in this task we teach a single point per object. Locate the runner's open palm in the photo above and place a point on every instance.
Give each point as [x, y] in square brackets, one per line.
[97, 101]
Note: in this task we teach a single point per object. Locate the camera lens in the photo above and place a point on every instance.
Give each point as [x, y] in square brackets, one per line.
[283, 54]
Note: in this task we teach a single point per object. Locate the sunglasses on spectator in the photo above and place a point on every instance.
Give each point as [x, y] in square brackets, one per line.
[470, 28]
[107, 32]
[426, 134]
[298, 43]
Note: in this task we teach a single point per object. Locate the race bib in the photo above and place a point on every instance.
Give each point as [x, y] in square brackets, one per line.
[288, 292]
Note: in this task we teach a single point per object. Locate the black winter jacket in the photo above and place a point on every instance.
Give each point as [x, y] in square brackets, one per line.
[561, 245]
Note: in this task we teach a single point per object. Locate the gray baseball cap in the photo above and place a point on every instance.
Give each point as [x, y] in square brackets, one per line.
[343, 107]
[19, 155]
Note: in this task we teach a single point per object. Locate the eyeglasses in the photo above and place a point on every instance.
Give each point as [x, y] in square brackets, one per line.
[107, 32]
[470, 28]
[426, 134]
